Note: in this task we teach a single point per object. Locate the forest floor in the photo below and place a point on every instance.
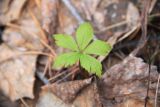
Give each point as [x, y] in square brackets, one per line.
[130, 75]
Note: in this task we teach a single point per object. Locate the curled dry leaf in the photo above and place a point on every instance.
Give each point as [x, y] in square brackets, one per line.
[67, 91]
[80, 93]
[24, 34]
[128, 80]
[48, 99]
[10, 10]
[16, 73]
[89, 97]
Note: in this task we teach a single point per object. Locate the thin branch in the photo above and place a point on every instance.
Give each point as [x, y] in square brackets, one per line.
[73, 10]
[24, 103]
[42, 78]
[144, 20]
[156, 96]
[113, 26]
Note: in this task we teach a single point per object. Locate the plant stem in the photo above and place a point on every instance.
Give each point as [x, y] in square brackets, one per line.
[79, 65]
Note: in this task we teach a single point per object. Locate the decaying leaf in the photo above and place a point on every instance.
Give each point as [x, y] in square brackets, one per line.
[80, 93]
[17, 70]
[89, 97]
[16, 73]
[48, 99]
[134, 103]
[67, 91]
[24, 34]
[128, 80]
[10, 10]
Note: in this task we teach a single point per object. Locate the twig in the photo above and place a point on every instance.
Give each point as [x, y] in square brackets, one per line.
[60, 74]
[143, 38]
[149, 78]
[56, 76]
[69, 74]
[24, 103]
[42, 78]
[73, 10]
[157, 88]
[113, 26]
[46, 67]
[152, 5]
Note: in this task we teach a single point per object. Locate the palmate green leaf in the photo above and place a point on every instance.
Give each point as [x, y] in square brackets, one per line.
[98, 47]
[84, 35]
[66, 41]
[67, 59]
[81, 50]
[91, 64]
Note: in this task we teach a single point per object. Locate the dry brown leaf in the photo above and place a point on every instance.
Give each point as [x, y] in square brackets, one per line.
[89, 97]
[127, 80]
[134, 103]
[115, 17]
[20, 39]
[48, 99]
[10, 10]
[78, 94]
[17, 74]
[67, 91]
[24, 34]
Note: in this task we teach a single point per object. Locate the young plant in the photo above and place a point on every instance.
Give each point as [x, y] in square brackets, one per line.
[81, 49]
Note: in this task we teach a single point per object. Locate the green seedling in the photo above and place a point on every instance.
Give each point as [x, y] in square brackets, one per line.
[81, 50]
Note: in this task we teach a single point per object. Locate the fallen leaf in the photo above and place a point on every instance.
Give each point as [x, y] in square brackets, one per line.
[134, 103]
[128, 80]
[81, 93]
[17, 74]
[48, 99]
[89, 97]
[10, 10]
[67, 91]
[17, 70]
